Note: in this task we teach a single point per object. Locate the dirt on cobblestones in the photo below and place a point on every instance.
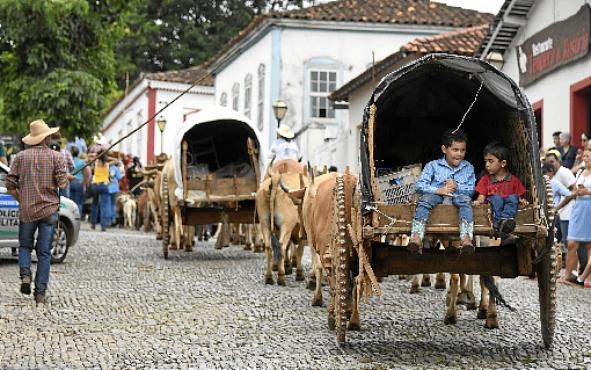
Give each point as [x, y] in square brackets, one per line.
[115, 303]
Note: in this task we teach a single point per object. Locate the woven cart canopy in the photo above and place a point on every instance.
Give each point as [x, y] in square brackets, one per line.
[421, 100]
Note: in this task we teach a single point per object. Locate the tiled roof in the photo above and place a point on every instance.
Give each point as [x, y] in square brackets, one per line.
[464, 42]
[419, 12]
[187, 76]
[407, 12]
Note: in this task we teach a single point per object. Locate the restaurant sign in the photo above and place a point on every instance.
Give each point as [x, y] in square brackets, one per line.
[556, 45]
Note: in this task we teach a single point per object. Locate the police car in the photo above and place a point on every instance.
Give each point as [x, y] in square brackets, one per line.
[66, 235]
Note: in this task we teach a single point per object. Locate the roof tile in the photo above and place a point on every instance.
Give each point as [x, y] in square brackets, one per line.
[199, 74]
[464, 42]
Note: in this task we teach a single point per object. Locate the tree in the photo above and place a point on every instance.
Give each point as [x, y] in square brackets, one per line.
[164, 35]
[57, 63]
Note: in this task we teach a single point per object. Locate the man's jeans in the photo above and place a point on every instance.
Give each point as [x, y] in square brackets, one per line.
[428, 201]
[26, 237]
[77, 194]
[503, 208]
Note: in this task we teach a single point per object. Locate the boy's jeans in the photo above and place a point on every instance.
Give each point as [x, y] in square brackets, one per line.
[428, 201]
[26, 236]
[503, 208]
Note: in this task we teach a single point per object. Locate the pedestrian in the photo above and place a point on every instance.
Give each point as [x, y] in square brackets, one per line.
[579, 230]
[501, 189]
[77, 184]
[34, 179]
[284, 147]
[135, 176]
[114, 176]
[556, 141]
[567, 151]
[449, 179]
[101, 202]
[565, 177]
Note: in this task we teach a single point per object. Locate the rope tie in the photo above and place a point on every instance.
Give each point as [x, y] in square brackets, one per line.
[470, 107]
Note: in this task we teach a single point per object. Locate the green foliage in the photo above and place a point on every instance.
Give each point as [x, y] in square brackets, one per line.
[56, 63]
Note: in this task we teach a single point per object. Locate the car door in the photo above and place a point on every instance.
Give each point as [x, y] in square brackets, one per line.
[8, 214]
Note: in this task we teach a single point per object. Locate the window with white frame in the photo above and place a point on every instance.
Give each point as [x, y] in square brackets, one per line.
[261, 96]
[247, 95]
[322, 84]
[235, 95]
[224, 99]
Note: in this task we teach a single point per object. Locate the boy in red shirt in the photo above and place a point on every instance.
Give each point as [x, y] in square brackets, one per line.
[503, 191]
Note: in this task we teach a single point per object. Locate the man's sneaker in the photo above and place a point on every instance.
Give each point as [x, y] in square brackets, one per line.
[40, 299]
[507, 226]
[415, 244]
[467, 244]
[26, 285]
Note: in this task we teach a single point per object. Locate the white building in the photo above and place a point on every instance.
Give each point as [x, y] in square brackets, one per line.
[145, 98]
[302, 56]
[545, 47]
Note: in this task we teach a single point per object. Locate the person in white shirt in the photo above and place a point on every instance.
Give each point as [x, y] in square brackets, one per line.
[284, 147]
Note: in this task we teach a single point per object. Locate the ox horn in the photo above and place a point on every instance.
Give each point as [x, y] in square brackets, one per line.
[296, 196]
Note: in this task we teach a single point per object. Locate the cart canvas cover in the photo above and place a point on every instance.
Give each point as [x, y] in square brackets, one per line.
[417, 103]
[226, 126]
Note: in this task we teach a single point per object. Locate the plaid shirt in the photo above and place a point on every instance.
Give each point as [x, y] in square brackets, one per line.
[37, 172]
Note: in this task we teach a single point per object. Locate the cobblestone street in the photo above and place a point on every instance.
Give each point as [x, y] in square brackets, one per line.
[116, 303]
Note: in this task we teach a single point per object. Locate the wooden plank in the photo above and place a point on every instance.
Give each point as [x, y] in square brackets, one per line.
[223, 187]
[204, 216]
[184, 173]
[524, 258]
[489, 261]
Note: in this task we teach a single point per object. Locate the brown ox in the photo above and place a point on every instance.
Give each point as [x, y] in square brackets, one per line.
[277, 213]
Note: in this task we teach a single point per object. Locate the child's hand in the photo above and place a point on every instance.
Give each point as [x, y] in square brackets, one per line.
[523, 202]
[443, 191]
[476, 203]
[451, 185]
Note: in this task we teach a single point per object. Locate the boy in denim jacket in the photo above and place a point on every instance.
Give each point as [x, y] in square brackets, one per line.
[449, 179]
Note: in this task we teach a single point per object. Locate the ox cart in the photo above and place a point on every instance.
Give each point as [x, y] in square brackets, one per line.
[213, 174]
[402, 125]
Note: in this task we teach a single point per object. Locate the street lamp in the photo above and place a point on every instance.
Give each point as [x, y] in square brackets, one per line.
[279, 108]
[496, 59]
[161, 121]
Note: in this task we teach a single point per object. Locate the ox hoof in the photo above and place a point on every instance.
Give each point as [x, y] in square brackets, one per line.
[274, 267]
[471, 305]
[288, 271]
[311, 284]
[247, 247]
[281, 280]
[401, 277]
[491, 323]
[269, 280]
[450, 320]
[317, 302]
[440, 285]
[481, 314]
[380, 279]
[426, 283]
[300, 276]
[258, 249]
[414, 289]
[462, 298]
[331, 322]
[354, 326]
[158, 237]
[172, 247]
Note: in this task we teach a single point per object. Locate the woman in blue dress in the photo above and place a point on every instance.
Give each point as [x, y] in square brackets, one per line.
[579, 228]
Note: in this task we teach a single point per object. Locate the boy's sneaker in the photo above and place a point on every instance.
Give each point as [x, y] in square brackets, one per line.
[507, 226]
[467, 244]
[415, 244]
[26, 285]
[40, 299]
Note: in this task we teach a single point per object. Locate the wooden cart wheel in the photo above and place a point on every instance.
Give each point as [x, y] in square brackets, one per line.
[547, 275]
[341, 262]
[164, 205]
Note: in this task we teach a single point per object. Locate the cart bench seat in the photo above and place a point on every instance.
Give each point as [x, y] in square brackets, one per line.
[444, 219]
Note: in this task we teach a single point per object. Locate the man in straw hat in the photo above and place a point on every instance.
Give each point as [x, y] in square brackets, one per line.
[284, 147]
[34, 179]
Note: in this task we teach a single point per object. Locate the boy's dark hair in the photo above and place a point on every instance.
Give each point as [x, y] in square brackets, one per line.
[498, 149]
[449, 136]
[556, 133]
[547, 167]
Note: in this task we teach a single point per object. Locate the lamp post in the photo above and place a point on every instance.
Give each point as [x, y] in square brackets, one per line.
[496, 59]
[279, 109]
[161, 121]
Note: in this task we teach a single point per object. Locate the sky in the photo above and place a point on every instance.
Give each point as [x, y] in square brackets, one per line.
[487, 6]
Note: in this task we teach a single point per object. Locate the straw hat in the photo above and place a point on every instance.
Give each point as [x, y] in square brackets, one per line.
[38, 132]
[285, 131]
